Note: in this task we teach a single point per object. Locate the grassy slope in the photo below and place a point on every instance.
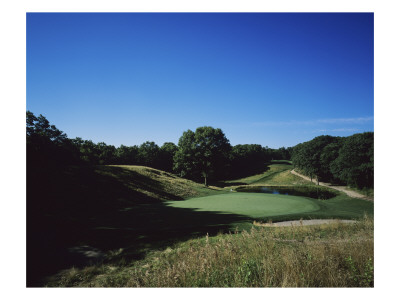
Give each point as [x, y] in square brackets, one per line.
[336, 255]
[277, 174]
[109, 208]
[123, 212]
[169, 186]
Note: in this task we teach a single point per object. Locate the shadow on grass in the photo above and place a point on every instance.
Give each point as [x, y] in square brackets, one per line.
[282, 162]
[98, 211]
[223, 184]
[234, 180]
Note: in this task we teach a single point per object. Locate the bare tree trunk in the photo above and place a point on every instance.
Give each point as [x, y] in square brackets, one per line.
[317, 180]
[205, 180]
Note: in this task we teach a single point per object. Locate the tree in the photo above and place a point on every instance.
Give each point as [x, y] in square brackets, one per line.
[106, 153]
[202, 154]
[148, 154]
[355, 162]
[307, 156]
[89, 153]
[328, 156]
[39, 127]
[248, 160]
[125, 155]
[166, 159]
[184, 164]
[46, 145]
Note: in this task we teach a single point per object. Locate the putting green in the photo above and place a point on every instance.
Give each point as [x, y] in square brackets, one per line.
[254, 205]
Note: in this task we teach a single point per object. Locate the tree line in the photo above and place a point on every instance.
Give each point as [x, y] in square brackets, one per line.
[341, 160]
[203, 155]
[207, 155]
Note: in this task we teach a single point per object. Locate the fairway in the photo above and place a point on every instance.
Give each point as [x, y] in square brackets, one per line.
[255, 205]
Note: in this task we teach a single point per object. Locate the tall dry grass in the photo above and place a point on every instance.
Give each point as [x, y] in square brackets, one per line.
[335, 255]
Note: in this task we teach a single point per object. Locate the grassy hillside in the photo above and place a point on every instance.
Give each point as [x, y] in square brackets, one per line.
[336, 255]
[118, 217]
[277, 174]
[107, 208]
[169, 186]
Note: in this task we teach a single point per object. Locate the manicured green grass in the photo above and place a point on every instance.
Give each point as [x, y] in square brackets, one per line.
[277, 174]
[271, 207]
[340, 207]
[253, 205]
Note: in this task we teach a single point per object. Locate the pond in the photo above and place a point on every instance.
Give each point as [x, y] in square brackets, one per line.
[304, 191]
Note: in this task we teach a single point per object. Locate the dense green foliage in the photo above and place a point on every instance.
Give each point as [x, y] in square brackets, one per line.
[49, 146]
[307, 156]
[46, 145]
[205, 153]
[281, 153]
[347, 160]
[202, 154]
[248, 160]
[354, 164]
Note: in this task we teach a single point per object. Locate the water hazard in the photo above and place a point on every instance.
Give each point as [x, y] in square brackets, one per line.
[272, 191]
[303, 191]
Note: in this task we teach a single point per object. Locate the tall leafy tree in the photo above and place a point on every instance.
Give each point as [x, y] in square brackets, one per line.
[184, 162]
[248, 159]
[355, 162]
[148, 154]
[106, 153]
[166, 156]
[280, 154]
[126, 155]
[327, 158]
[88, 151]
[46, 144]
[40, 128]
[202, 154]
[307, 156]
[347, 160]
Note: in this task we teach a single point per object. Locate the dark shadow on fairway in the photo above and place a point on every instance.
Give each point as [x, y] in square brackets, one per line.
[223, 184]
[96, 211]
[281, 162]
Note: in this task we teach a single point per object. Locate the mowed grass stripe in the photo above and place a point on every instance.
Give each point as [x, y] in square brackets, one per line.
[255, 205]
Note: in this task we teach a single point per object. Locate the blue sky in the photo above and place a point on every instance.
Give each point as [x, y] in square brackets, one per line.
[270, 79]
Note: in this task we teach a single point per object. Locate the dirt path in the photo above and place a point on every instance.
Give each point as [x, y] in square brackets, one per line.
[303, 223]
[343, 189]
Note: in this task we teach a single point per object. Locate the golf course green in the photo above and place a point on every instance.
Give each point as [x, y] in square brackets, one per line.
[255, 205]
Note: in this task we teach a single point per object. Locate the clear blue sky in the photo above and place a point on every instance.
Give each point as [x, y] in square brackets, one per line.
[270, 79]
